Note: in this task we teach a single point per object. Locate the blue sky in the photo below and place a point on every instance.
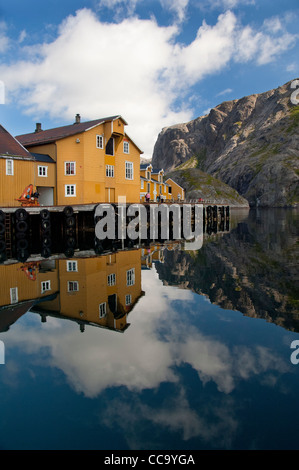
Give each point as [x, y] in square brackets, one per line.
[155, 62]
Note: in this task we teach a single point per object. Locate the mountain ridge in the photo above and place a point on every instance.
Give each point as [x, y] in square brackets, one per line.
[250, 144]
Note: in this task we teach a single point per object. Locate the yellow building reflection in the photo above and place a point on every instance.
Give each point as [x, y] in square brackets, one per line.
[100, 291]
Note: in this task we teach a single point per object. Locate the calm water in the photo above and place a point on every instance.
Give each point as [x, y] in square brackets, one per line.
[156, 348]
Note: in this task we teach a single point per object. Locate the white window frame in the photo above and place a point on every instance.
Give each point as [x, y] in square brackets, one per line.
[110, 171]
[142, 184]
[71, 163]
[42, 171]
[129, 169]
[126, 147]
[111, 279]
[100, 141]
[9, 169]
[72, 286]
[102, 310]
[66, 186]
[14, 295]
[128, 299]
[131, 277]
[72, 266]
[45, 286]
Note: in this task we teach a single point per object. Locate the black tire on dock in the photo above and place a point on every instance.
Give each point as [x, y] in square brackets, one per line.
[45, 224]
[45, 214]
[2, 228]
[70, 221]
[22, 226]
[69, 252]
[70, 242]
[21, 214]
[2, 216]
[46, 252]
[2, 246]
[22, 255]
[46, 241]
[22, 244]
[68, 211]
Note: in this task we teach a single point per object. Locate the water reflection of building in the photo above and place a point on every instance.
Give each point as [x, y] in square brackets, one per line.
[101, 291]
[155, 253]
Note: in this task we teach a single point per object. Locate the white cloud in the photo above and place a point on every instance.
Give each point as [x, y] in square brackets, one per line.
[135, 68]
[4, 40]
[178, 7]
[226, 4]
[264, 45]
[225, 92]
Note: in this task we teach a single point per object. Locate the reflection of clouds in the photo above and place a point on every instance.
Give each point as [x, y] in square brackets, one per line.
[142, 358]
[209, 421]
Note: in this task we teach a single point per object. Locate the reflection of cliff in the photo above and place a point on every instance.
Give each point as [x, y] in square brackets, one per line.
[253, 269]
[100, 291]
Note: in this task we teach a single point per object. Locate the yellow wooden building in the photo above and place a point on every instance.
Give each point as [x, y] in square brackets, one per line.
[177, 192]
[152, 182]
[96, 161]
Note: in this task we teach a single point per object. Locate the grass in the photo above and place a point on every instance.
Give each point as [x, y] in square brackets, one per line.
[294, 116]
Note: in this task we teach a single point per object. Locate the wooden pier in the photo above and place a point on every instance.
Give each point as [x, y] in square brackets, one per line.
[44, 231]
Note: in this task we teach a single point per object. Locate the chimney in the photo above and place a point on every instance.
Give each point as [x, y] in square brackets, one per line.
[78, 119]
[38, 127]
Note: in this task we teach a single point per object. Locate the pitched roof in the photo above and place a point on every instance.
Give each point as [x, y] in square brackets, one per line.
[144, 166]
[57, 133]
[10, 146]
[39, 157]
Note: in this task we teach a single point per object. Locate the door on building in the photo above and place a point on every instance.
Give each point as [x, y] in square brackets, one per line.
[46, 196]
[109, 194]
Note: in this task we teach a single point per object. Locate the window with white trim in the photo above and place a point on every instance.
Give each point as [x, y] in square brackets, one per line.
[128, 299]
[9, 167]
[69, 168]
[42, 171]
[126, 146]
[70, 190]
[111, 279]
[14, 295]
[72, 266]
[110, 171]
[129, 170]
[72, 286]
[100, 141]
[45, 286]
[131, 277]
[102, 310]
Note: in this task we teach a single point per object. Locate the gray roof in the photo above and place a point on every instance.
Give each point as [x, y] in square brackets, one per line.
[39, 157]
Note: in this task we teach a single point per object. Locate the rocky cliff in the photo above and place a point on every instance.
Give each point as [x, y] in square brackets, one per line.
[251, 144]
